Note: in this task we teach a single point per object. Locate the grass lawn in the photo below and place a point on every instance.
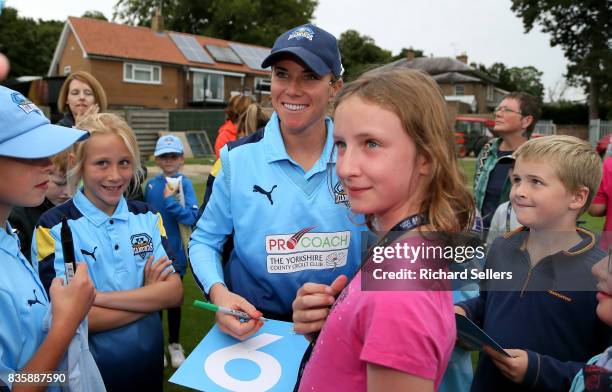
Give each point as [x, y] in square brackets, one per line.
[196, 322]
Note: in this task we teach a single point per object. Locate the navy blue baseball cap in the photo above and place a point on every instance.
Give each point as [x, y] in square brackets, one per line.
[26, 133]
[317, 48]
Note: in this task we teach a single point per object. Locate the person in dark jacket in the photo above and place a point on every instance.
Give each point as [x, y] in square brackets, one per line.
[539, 300]
[81, 94]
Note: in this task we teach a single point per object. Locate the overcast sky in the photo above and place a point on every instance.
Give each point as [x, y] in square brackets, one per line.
[486, 30]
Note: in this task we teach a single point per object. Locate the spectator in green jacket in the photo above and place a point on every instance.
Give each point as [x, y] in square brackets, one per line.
[515, 118]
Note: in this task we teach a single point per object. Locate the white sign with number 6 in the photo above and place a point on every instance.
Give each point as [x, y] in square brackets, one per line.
[270, 368]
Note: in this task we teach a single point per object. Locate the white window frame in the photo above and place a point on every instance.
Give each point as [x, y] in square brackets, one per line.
[457, 86]
[141, 67]
[67, 70]
[256, 81]
[209, 74]
[490, 92]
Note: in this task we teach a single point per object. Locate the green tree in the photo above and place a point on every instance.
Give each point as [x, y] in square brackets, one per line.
[403, 53]
[360, 53]
[29, 44]
[583, 30]
[250, 21]
[93, 14]
[527, 79]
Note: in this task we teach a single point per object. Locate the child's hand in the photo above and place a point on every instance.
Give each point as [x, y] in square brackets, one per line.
[220, 295]
[460, 310]
[157, 272]
[513, 368]
[312, 305]
[72, 302]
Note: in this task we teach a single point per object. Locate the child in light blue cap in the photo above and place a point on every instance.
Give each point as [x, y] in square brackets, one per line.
[172, 194]
[28, 347]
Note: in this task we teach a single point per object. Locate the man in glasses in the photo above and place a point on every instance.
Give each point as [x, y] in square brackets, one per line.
[515, 118]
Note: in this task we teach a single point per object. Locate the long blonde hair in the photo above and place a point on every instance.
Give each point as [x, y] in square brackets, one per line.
[106, 124]
[418, 102]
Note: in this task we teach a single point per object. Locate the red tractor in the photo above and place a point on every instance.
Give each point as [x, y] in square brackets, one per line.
[471, 133]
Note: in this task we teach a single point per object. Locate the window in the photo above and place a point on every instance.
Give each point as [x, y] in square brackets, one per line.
[141, 73]
[67, 70]
[209, 86]
[459, 89]
[490, 92]
[262, 85]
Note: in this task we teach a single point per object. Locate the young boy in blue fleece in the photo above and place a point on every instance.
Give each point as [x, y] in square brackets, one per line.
[172, 194]
[598, 371]
[544, 316]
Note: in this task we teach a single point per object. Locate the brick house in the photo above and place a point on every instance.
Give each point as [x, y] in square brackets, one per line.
[466, 89]
[141, 67]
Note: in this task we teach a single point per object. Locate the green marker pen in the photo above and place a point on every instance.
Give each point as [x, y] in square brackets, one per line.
[233, 312]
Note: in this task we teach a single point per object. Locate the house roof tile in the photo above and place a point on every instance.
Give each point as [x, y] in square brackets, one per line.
[447, 66]
[109, 39]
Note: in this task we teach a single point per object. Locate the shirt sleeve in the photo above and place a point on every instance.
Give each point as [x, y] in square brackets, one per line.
[48, 253]
[212, 230]
[412, 332]
[161, 246]
[9, 332]
[545, 373]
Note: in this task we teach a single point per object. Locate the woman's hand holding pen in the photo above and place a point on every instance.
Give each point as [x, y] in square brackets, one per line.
[72, 302]
[221, 296]
[312, 304]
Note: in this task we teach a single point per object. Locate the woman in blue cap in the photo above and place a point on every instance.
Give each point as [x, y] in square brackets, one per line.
[277, 195]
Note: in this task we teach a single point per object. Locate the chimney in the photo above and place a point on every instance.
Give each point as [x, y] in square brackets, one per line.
[410, 54]
[463, 58]
[157, 22]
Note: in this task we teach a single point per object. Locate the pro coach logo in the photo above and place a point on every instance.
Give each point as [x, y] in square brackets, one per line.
[302, 32]
[142, 244]
[307, 250]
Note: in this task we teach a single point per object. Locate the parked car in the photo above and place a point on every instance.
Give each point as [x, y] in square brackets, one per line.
[471, 133]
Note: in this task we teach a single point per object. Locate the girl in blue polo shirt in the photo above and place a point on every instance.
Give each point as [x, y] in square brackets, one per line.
[120, 241]
[26, 349]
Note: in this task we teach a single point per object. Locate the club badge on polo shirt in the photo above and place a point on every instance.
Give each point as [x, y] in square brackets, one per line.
[340, 196]
[142, 244]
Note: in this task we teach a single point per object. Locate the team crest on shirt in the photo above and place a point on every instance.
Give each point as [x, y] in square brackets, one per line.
[142, 244]
[340, 196]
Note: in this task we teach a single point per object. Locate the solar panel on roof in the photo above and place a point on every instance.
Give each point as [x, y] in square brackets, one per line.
[250, 55]
[191, 49]
[224, 55]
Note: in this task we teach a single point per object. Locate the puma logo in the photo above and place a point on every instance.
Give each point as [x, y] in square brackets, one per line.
[257, 188]
[35, 300]
[86, 253]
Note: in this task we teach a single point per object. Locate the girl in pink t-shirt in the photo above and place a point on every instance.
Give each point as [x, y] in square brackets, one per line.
[599, 206]
[390, 329]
